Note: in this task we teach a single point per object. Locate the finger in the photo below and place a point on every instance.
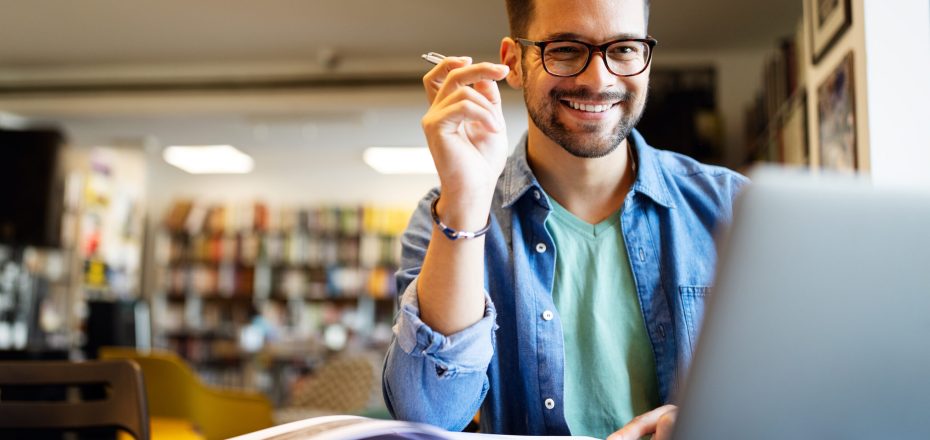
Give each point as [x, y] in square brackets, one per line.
[467, 94]
[448, 119]
[433, 79]
[476, 131]
[643, 424]
[480, 137]
[490, 91]
[463, 120]
[666, 425]
[488, 87]
[470, 75]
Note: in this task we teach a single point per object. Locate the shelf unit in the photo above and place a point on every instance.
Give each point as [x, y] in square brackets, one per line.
[237, 283]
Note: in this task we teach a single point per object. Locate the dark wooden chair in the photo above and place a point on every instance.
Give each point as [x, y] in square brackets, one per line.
[38, 399]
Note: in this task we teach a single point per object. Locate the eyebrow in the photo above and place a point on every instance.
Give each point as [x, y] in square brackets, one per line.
[574, 36]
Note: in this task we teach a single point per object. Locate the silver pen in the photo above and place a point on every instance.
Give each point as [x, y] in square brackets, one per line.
[436, 58]
[433, 57]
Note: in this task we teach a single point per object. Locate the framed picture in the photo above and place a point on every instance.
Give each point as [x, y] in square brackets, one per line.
[836, 111]
[793, 133]
[829, 19]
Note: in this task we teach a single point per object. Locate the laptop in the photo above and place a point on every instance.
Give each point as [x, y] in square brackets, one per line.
[819, 323]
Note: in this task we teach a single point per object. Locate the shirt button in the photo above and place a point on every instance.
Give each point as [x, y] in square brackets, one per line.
[642, 254]
[537, 194]
[547, 315]
[550, 403]
[541, 247]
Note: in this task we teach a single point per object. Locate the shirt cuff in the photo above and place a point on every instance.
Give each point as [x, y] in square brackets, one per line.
[466, 351]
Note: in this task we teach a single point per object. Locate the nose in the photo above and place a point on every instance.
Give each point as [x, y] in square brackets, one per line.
[596, 74]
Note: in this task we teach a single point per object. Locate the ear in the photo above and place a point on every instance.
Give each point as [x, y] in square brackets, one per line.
[510, 55]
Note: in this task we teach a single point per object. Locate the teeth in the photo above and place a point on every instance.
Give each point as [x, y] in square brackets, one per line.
[589, 107]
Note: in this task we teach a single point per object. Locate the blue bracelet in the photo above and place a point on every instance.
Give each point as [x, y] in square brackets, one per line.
[452, 233]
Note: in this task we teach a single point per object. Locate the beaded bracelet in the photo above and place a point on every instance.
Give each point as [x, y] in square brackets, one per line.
[452, 233]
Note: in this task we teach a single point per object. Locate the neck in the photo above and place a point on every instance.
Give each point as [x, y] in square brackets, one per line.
[591, 189]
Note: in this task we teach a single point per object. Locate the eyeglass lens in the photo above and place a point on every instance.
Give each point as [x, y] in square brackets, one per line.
[567, 58]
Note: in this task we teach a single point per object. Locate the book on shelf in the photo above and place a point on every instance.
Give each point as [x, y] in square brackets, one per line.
[260, 216]
[344, 427]
[217, 221]
[177, 215]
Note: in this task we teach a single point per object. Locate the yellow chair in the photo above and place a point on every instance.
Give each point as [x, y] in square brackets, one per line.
[174, 391]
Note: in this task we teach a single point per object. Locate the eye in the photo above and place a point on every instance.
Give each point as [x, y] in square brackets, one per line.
[625, 50]
[565, 51]
[622, 49]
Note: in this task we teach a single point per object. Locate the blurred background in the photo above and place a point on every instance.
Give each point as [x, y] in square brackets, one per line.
[262, 264]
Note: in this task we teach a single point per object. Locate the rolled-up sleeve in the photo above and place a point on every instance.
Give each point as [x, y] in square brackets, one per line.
[430, 377]
[469, 350]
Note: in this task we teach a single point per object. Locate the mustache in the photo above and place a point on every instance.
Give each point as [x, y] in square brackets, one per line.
[584, 94]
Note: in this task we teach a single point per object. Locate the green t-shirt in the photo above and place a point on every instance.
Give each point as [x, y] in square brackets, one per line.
[610, 371]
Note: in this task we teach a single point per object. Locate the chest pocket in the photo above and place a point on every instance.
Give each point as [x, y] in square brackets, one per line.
[692, 308]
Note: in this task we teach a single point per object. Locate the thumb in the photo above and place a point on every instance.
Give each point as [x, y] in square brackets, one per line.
[644, 424]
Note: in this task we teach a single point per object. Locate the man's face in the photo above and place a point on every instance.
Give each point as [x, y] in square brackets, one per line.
[553, 102]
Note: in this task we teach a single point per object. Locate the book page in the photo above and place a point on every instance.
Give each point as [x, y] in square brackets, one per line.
[360, 428]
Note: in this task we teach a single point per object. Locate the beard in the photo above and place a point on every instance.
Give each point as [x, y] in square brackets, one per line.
[586, 142]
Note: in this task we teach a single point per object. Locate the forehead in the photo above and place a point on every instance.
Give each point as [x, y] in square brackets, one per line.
[595, 20]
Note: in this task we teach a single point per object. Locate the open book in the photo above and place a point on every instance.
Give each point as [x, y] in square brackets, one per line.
[361, 428]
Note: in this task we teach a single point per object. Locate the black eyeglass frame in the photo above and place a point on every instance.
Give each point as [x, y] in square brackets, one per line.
[592, 49]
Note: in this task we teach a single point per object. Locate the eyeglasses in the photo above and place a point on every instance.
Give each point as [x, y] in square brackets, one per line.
[565, 58]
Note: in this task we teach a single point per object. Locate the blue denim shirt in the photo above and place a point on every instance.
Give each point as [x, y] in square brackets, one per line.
[510, 364]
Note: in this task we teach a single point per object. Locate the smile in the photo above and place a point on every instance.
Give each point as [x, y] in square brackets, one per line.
[590, 108]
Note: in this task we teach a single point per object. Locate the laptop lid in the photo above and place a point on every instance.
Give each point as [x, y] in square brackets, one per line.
[819, 324]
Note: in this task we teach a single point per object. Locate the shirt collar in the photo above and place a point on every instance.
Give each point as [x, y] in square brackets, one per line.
[518, 178]
[650, 180]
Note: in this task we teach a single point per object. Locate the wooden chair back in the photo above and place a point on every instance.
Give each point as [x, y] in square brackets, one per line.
[60, 396]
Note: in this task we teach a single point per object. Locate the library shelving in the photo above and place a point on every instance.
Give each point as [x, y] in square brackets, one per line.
[243, 288]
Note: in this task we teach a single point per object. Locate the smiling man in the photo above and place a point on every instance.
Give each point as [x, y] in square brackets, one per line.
[559, 290]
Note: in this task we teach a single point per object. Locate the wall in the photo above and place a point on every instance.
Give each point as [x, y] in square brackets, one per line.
[897, 41]
[738, 76]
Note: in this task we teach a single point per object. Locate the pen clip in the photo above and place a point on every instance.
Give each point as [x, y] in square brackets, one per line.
[433, 57]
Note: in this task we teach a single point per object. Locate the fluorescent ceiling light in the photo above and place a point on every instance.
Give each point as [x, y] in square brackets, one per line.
[209, 159]
[400, 160]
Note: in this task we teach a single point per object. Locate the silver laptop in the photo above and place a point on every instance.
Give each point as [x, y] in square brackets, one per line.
[819, 324]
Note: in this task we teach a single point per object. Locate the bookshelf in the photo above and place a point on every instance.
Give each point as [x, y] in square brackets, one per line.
[776, 122]
[242, 288]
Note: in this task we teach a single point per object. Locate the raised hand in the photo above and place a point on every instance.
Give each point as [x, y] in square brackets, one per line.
[467, 137]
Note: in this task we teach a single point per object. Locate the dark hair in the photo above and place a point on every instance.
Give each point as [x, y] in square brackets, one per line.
[519, 13]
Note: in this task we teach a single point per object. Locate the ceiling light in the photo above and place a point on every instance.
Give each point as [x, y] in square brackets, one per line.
[209, 159]
[400, 160]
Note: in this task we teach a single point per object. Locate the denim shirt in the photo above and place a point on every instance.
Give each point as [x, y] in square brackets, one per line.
[510, 364]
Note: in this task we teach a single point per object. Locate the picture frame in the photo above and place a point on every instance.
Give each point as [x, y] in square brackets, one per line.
[829, 20]
[836, 116]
